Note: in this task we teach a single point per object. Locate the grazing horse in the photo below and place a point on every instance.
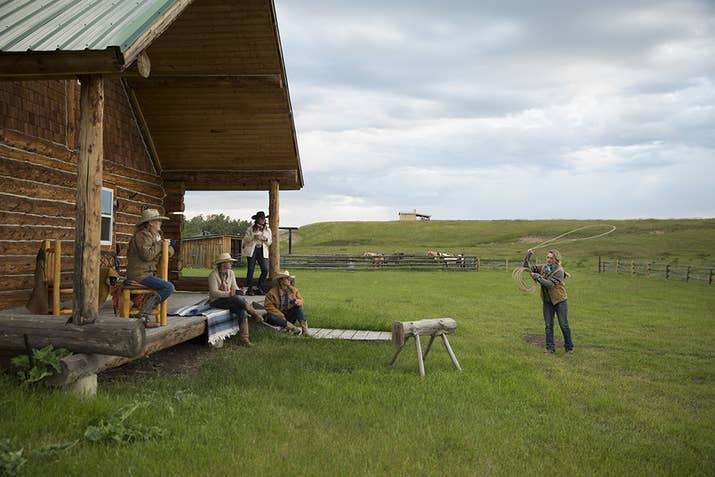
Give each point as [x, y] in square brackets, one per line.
[377, 259]
[447, 259]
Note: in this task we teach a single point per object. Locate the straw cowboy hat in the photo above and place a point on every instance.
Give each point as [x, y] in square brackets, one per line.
[224, 257]
[151, 214]
[283, 274]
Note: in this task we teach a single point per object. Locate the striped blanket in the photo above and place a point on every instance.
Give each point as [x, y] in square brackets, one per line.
[220, 324]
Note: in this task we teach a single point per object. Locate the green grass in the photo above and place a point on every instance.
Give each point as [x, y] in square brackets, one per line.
[637, 397]
[685, 240]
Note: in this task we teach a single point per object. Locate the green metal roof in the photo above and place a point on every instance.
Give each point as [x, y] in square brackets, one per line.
[75, 25]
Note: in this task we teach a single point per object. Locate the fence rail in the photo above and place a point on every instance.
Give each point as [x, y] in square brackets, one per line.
[669, 271]
[396, 261]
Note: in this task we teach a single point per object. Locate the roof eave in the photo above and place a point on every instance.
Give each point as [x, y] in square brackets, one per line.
[59, 64]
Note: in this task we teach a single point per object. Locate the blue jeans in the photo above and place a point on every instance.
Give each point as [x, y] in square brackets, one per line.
[262, 262]
[236, 304]
[295, 313]
[162, 287]
[562, 311]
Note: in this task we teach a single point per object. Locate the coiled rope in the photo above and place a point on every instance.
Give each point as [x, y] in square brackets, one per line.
[521, 276]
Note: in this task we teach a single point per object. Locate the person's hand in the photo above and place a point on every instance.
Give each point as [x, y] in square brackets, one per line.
[530, 251]
[232, 293]
[535, 275]
[298, 302]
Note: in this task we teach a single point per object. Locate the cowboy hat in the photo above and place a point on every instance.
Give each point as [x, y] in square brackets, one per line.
[224, 257]
[283, 274]
[151, 214]
[258, 214]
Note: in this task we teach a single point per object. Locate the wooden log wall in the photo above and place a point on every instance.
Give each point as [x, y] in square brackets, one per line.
[174, 208]
[39, 122]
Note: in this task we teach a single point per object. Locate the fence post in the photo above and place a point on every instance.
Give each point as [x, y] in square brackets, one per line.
[599, 264]
[667, 271]
[507, 264]
[710, 280]
[633, 268]
[687, 274]
[479, 262]
[647, 269]
[617, 266]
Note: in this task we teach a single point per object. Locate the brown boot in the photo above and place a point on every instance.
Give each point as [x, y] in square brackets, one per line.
[254, 314]
[243, 328]
[304, 327]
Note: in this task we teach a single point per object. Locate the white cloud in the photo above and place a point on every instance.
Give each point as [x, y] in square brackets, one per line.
[463, 110]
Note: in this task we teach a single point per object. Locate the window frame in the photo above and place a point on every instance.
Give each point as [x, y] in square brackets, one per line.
[109, 242]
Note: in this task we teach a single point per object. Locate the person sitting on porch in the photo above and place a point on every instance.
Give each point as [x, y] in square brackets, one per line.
[225, 294]
[255, 247]
[284, 305]
[142, 259]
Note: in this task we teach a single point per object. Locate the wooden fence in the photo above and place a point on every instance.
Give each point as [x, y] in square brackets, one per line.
[395, 262]
[669, 271]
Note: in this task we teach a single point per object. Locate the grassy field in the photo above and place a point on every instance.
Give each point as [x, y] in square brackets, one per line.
[636, 398]
[684, 241]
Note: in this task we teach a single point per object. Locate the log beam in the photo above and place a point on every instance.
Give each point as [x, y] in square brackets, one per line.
[401, 330]
[79, 365]
[107, 335]
[232, 179]
[274, 254]
[89, 201]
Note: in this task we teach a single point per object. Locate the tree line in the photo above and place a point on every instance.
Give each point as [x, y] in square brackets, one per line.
[214, 224]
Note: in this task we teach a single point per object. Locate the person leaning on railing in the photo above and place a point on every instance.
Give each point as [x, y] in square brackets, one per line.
[142, 257]
[553, 296]
[225, 294]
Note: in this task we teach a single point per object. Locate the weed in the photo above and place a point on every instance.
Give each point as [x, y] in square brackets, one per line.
[45, 363]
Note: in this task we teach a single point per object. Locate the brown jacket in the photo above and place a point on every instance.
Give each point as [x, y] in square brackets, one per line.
[143, 254]
[272, 303]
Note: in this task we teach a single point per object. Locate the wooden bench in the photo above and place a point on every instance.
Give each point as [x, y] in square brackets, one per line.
[128, 291]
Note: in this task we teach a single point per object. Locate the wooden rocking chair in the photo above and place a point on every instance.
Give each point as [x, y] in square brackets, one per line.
[128, 291]
[53, 274]
[53, 271]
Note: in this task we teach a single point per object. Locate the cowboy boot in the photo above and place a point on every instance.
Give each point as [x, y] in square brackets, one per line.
[293, 329]
[304, 327]
[147, 308]
[243, 329]
[254, 314]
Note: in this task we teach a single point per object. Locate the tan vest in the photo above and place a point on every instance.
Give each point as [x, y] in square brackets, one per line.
[557, 293]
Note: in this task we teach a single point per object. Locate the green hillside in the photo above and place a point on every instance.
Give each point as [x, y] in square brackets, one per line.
[686, 241]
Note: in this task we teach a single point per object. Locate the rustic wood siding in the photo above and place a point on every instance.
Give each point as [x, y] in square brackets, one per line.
[202, 252]
[38, 175]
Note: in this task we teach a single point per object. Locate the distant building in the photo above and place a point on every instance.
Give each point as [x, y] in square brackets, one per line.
[413, 215]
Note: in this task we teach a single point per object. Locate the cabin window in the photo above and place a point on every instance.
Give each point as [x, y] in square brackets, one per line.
[107, 213]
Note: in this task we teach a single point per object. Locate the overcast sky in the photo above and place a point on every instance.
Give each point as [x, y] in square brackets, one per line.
[496, 110]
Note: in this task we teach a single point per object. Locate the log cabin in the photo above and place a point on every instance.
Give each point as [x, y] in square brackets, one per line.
[108, 108]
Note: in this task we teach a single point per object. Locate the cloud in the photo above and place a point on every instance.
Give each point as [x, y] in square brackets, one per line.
[465, 109]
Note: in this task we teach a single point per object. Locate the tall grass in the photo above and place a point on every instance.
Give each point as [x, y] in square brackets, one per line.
[637, 397]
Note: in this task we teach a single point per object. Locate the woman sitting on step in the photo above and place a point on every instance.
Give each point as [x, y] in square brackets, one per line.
[285, 305]
[142, 259]
[225, 294]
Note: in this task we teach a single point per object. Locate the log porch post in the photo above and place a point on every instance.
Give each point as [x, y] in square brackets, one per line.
[89, 200]
[274, 255]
